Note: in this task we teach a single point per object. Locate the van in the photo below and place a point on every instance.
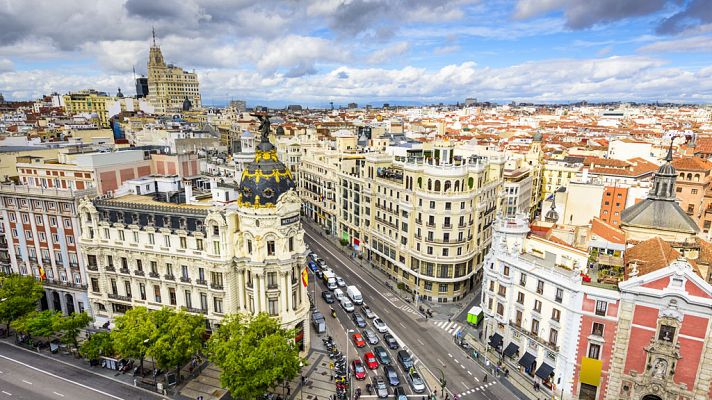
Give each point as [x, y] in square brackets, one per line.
[338, 294]
[318, 322]
[354, 294]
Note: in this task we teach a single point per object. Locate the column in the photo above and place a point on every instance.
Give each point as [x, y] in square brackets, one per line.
[63, 303]
[288, 296]
[283, 293]
[241, 291]
[262, 294]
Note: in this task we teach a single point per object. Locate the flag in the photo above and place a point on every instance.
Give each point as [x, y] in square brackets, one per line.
[305, 277]
[43, 276]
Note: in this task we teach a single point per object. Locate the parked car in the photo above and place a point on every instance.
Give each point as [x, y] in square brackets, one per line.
[370, 360]
[358, 340]
[380, 385]
[313, 256]
[391, 342]
[321, 263]
[399, 393]
[367, 312]
[358, 369]
[382, 355]
[327, 296]
[405, 359]
[380, 325]
[370, 336]
[391, 375]
[340, 281]
[416, 382]
[358, 320]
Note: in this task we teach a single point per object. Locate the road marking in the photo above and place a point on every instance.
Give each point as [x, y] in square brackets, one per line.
[463, 384]
[58, 394]
[27, 382]
[401, 324]
[61, 378]
[477, 379]
[440, 361]
[469, 373]
[449, 355]
[455, 359]
[7, 393]
[463, 366]
[421, 343]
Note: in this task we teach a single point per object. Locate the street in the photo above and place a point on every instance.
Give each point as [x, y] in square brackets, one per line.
[431, 342]
[25, 375]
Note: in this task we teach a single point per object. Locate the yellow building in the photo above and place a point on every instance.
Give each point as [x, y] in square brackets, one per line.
[90, 102]
[170, 86]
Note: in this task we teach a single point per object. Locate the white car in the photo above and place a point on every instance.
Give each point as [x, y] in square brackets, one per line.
[380, 326]
[347, 305]
[340, 281]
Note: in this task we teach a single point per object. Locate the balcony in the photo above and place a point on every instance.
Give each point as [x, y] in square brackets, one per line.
[93, 267]
[169, 277]
[216, 286]
[60, 284]
[119, 297]
[110, 268]
[447, 226]
[153, 274]
[124, 271]
[74, 265]
[419, 221]
[139, 272]
[272, 286]
[201, 282]
[195, 310]
[185, 279]
[534, 336]
[430, 224]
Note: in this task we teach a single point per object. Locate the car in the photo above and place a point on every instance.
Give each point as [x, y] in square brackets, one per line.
[391, 342]
[382, 355]
[321, 263]
[347, 305]
[340, 281]
[313, 256]
[405, 359]
[370, 336]
[312, 266]
[328, 296]
[367, 312]
[391, 375]
[380, 325]
[380, 385]
[370, 360]
[399, 393]
[416, 382]
[358, 369]
[319, 274]
[358, 340]
[358, 320]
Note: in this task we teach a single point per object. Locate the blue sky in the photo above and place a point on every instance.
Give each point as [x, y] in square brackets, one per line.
[313, 52]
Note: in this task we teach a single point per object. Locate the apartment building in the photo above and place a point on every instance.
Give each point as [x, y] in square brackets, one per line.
[558, 173]
[41, 229]
[88, 102]
[693, 190]
[169, 86]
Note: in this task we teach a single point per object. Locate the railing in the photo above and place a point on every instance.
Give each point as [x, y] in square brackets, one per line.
[154, 274]
[195, 310]
[56, 283]
[272, 286]
[185, 279]
[110, 268]
[119, 297]
[419, 221]
[124, 271]
[170, 277]
[201, 282]
[534, 337]
[93, 267]
[139, 272]
[216, 286]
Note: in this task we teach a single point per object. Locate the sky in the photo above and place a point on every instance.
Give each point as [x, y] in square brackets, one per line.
[367, 51]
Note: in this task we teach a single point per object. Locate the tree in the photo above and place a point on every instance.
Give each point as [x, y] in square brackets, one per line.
[133, 332]
[177, 339]
[99, 344]
[71, 325]
[255, 354]
[19, 295]
[37, 323]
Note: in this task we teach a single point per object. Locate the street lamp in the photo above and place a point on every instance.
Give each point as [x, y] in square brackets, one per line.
[443, 382]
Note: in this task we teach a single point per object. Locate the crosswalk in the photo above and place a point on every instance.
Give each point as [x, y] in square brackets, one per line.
[451, 327]
[477, 389]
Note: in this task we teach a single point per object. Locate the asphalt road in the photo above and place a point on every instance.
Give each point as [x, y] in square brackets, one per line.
[25, 375]
[435, 348]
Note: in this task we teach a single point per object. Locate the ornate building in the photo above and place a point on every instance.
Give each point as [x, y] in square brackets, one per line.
[169, 86]
[208, 257]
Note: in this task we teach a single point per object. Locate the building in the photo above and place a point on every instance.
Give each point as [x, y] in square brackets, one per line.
[614, 201]
[517, 188]
[41, 228]
[141, 87]
[165, 242]
[558, 173]
[169, 86]
[692, 190]
[90, 102]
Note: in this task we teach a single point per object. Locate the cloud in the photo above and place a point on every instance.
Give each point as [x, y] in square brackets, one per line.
[446, 50]
[695, 44]
[696, 12]
[388, 53]
[6, 65]
[582, 14]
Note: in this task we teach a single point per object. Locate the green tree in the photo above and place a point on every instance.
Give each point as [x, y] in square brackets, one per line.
[133, 332]
[255, 354]
[37, 323]
[177, 339]
[99, 344]
[19, 295]
[70, 326]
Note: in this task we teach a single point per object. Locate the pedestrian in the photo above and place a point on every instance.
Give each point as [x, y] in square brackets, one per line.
[485, 379]
[289, 390]
[303, 380]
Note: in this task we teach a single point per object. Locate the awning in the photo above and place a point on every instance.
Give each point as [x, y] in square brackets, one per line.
[495, 340]
[511, 349]
[545, 371]
[527, 360]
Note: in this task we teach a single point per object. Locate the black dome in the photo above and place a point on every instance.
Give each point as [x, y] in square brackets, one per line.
[264, 179]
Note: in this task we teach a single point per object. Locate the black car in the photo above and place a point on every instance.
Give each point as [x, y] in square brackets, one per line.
[399, 393]
[328, 296]
[391, 375]
[382, 355]
[358, 320]
[405, 360]
[319, 274]
[391, 341]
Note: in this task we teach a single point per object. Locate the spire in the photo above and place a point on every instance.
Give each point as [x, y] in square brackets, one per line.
[668, 158]
[153, 32]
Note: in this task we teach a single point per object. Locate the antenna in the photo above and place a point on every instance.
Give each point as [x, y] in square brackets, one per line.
[133, 67]
[153, 31]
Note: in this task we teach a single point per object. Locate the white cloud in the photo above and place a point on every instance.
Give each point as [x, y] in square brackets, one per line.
[684, 45]
[388, 53]
[6, 65]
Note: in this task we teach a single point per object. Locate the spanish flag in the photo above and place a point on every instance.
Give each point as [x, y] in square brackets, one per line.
[43, 276]
[305, 277]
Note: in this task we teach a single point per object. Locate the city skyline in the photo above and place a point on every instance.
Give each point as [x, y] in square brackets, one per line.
[369, 51]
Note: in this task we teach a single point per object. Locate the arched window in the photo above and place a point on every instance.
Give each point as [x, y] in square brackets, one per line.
[457, 185]
[697, 177]
[437, 185]
[447, 186]
[470, 182]
[689, 176]
[420, 182]
[430, 184]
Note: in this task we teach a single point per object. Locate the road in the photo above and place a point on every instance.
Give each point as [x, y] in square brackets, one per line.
[25, 375]
[427, 340]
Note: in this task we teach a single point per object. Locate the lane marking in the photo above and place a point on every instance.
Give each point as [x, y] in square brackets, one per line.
[455, 359]
[61, 378]
[469, 373]
[421, 342]
[58, 394]
[477, 379]
[449, 355]
[401, 324]
[440, 361]
[463, 384]
[7, 393]
[463, 366]
[27, 382]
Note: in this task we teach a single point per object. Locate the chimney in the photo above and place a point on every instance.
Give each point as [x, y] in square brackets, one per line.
[188, 192]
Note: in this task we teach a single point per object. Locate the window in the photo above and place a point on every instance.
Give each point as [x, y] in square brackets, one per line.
[249, 246]
[167, 240]
[500, 309]
[667, 333]
[142, 291]
[272, 306]
[594, 351]
[216, 247]
[502, 291]
[448, 205]
[553, 336]
[95, 285]
[135, 237]
[151, 238]
[139, 265]
[204, 301]
[169, 269]
[52, 221]
[506, 270]
[518, 318]
[184, 271]
[216, 230]
[290, 243]
[270, 247]
[188, 299]
[157, 293]
[559, 295]
[442, 288]
[535, 327]
[694, 191]
[556, 314]
[491, 286]
[199, 244]
[446, 252]
[540, 286]
[520, 298]
[183, 242]
[114, 290]
[690, 208]
[523, 280]
[43, 237]
[127, 288]
[597, 329]
[121, 235]
[601, 307]
[154, 267]
[38, 219]
[537, 306]
[217, 305]
[70, 239]
[432, 205]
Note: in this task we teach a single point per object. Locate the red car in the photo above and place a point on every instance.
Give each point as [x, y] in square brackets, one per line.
[359, 370]
[358, 340]
[370, 360]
